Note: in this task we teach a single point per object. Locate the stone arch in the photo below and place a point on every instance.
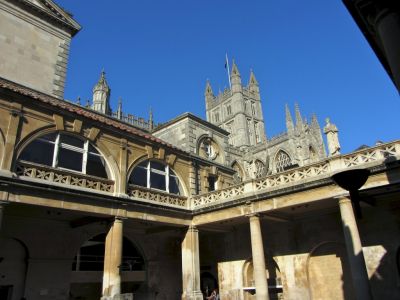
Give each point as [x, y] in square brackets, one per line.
[239, 176]
[282, 160]
[327, 272]
[133, 268]
[2, 144]
[273, 276]
[106, 154]
[14, 262]
[143, 158]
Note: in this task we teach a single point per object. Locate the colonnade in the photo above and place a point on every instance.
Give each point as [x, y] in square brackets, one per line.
[191, 261]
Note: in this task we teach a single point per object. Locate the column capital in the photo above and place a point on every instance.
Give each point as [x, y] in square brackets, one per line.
[253, 215]
[193, 228]
[342, 197]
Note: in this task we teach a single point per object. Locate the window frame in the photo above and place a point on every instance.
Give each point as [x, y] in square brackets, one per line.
[58, 144]
[166, 173]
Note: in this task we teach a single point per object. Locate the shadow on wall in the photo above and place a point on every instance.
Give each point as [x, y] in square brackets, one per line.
[327, 272]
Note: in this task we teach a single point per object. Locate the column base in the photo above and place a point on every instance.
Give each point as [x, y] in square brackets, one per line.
[193, 296]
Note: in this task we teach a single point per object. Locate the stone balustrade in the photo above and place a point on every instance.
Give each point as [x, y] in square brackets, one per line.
[40, 172]
[157, 197]
[364, 158]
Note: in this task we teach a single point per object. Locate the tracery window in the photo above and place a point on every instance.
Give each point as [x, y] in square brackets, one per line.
[282, 161]
[67, 152]
[259, 169]
[156, 175]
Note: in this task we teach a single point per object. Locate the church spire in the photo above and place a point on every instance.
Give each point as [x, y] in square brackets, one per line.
[101, 95]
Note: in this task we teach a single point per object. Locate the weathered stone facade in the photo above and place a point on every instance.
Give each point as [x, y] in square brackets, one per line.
[96, 205]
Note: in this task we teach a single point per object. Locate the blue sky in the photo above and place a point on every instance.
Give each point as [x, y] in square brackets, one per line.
[160, 53]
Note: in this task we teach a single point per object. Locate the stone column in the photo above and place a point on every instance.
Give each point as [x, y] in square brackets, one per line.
[355, 255]
[112, 261]
[191, 265]
[257, 249]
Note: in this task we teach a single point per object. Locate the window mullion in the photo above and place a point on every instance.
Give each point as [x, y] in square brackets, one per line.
[148, 175]
[55, 153]
[167, 178]
[85, 156]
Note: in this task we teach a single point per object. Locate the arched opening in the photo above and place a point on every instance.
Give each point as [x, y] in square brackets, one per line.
[66, 152]
[328, 272]
[13, 263]
[283, 161]
[153, 174]
[273, 277]
[239, 175]
[88, 266]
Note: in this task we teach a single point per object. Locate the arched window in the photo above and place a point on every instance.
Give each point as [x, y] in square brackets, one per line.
[259, 169]
[67, 152]
[238, 176]
[156, 175]
[282, 161]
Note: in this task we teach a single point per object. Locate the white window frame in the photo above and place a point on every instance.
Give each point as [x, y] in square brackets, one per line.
[58, 144]
[166, 174]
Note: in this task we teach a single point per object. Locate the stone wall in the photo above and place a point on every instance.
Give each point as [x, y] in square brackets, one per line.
[33, 52]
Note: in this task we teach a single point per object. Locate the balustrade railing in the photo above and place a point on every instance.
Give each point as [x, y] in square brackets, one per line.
[323, 169]
[368, 157]
[157, 197]
[64, 177]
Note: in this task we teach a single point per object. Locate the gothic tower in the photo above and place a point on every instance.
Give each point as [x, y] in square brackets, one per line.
[237, 110]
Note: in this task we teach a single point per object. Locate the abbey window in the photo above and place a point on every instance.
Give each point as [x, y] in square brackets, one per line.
[282, 161]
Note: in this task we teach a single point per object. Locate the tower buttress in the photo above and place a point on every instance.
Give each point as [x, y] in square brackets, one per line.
[101, 95]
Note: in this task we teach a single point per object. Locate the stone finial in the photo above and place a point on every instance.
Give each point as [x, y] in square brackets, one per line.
[332, 138]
